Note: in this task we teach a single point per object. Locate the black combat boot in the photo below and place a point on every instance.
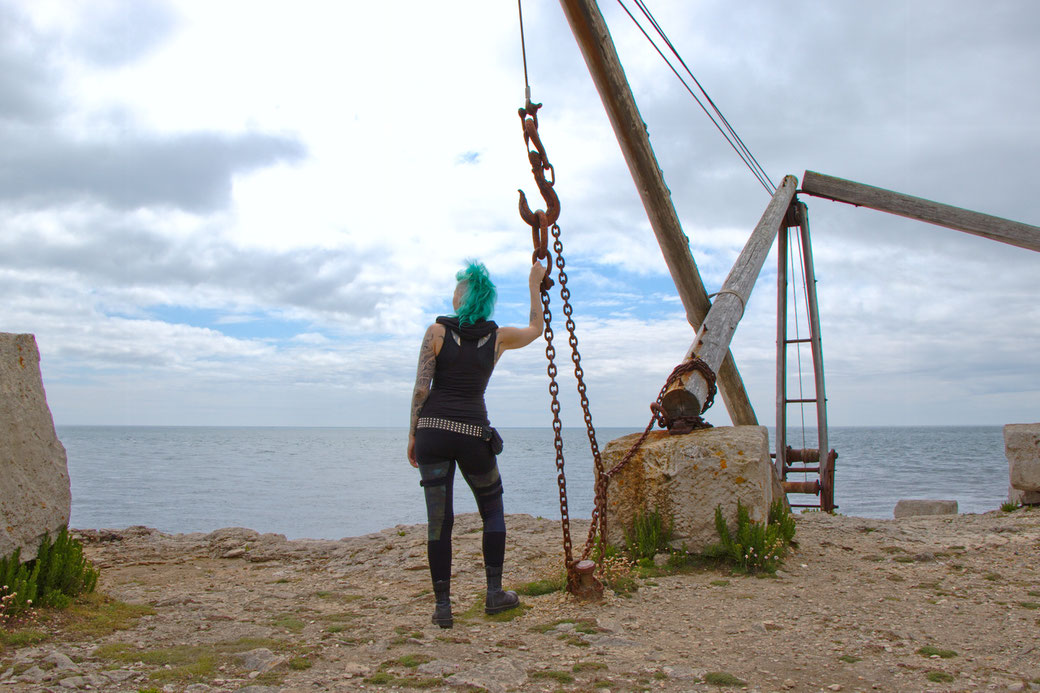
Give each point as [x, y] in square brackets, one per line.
[498, 600]
[442, 612]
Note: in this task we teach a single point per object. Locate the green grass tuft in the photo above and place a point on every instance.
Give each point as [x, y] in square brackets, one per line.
[57, 575]
[754, 547]
[929, 650]
[939, 677]
[648, 536]
[556, 583]
[721, 678]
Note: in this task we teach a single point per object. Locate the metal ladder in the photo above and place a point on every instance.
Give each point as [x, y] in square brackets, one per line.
[790, 460]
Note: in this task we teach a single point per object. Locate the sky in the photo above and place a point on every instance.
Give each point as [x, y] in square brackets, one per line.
[247, 213]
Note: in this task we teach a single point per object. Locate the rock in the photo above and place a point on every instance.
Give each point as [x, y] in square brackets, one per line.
[352, 669]
[33, 674]
[59, 660]
[495, 676]
[260, 660]
[911, 508]
[234, 553]
[35, 495]
[1022, 448]
[74, 682]
[198, 688]
[7, 674]
[438, 667]
[684, 673]
[1020, 497]
[259, 689]
[686, 476]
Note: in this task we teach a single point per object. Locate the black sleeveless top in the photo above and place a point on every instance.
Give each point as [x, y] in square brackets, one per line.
[464, 367]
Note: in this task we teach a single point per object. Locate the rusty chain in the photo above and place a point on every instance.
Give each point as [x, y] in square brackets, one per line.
[542, 223]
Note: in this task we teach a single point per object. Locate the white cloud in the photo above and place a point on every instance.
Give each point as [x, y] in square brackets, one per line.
[242, 213]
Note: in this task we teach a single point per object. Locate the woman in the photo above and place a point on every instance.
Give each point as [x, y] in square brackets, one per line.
[449, 427]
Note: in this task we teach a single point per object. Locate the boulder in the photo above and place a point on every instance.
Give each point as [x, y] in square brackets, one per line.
[1022, 447]
[684, 477]
[910, 508]
[35, 495]
[1020, 497]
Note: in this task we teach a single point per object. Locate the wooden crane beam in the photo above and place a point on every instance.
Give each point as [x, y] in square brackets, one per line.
[593, 37]
[687, 395]
[853, 193]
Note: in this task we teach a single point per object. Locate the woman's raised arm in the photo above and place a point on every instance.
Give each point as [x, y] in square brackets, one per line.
[519, 337]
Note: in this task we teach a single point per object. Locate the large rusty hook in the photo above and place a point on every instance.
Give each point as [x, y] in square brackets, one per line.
[539, 220]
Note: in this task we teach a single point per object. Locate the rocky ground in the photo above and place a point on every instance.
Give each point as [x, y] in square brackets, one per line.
[930, 603]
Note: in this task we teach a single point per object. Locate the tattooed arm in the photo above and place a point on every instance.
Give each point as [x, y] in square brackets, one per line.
[431, 346]
[519, 337]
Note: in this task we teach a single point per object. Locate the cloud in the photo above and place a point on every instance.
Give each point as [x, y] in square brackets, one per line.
[192, 172]
[205, 235]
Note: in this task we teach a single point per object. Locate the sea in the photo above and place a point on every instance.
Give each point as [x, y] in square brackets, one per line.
[330, 483]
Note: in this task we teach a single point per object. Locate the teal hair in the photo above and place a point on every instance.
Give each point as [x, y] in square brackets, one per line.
[478, 303]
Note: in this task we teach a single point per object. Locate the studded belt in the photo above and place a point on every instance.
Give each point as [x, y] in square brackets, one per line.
[455, 427]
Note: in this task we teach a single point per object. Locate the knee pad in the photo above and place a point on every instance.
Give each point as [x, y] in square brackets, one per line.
[439, 515]
[487, 486]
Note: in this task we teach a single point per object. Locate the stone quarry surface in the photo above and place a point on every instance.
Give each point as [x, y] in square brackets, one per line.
[685, 477]
[913, 507]
[1022, 447]
[35, 496]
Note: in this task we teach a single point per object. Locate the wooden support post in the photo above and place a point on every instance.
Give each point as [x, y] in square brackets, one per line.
[593, 37]
[814, 330]
[780, 458]
[994, 228]
[687, 395]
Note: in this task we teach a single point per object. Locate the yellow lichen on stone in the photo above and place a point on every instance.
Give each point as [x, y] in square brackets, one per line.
[740, 480]
[722, 463]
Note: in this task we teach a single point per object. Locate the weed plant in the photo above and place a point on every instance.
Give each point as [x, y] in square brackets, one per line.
[754, 547]
[648, 536]
[59, 573]
[1009, 506]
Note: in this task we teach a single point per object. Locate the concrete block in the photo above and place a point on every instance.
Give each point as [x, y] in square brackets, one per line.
[686, 476]
[1022, 447]
[35, 495]
[909, 508]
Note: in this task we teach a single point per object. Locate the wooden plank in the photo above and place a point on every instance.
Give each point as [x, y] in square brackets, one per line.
[995, 228]
[814, 330]
[686, 397]
[780, 457]
[593, 37]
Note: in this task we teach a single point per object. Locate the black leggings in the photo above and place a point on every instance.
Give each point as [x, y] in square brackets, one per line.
[437, 452]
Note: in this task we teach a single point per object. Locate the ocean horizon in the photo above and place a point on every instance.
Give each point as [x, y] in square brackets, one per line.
[330, 483]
